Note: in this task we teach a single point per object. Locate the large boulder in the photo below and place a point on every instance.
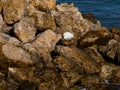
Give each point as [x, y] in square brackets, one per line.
[82, 61]
[44, 4]
[16, 56]
[43, 21]
[100, 36]
[13, 10]
[25, 29]
[1, 5]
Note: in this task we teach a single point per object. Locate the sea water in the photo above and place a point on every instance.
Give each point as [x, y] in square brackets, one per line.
[107, 11]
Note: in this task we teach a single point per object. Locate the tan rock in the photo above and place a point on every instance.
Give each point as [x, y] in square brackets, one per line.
[5, 38]
[47, 40]
[13, 10]
[44, 4]
[45, 43]
[3, 27]
[43, 21]
[1, 21]
[99, 37]
[93, 52]
[25, 29]
[84, 62]
[15, 56]
[1, 5]
[64, 64]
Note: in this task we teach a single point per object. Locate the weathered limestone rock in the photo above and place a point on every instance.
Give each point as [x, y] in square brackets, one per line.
[93, 52]
[25, 29]
[115, 31]
[111, 52]
[100, 37]
[64, 64]
[3, 27]
[70, 8]
[13, 10]
[89, 17]
[15, 56]
[1, 21]
[5, 38]
[45, 43]
[43, 21]
[84, 62]
[44, 4]
[1, 5]
[47, 40]
[108, 71]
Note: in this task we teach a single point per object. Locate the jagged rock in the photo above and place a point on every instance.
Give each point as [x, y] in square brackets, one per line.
[108, 71]
[89, 17]
[15, 56]
[100, 37]
[115, 31]
[82, 60]
[3, 27]
[1, 21]
[46, 40]
[13, 10]
[70, 8]
[1, 5]
[43, 21]
[3, 85]
[69, 78]
[44, 4]
[25, 29]
[93, 52]
[23, 74]
[88, 80]
[45, 43]
[64, 64]
[111, 51]
[5, 38]
[69, 19]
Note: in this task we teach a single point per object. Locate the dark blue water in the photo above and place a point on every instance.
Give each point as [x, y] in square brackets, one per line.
[107, 11]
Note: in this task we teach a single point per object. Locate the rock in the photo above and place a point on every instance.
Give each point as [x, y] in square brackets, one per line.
[5, 38]
[44, 4]
[70, 8]
[25, 29]
[1, 5]
[45, 43]
[88, 80]
[13, 10]
[89, 17]
[107, 71]
[111, 51]
[69, 78]
[99, 37]
[43, 21]
[3, 85]
[47, 40]
[22, 74]
[93, 52]
[115, 31]
[15, 56]
[64, 64]
[3, 27]
[1, 21]
[82, 60]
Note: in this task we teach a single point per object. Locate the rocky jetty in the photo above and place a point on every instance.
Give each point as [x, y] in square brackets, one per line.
[44, 46]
